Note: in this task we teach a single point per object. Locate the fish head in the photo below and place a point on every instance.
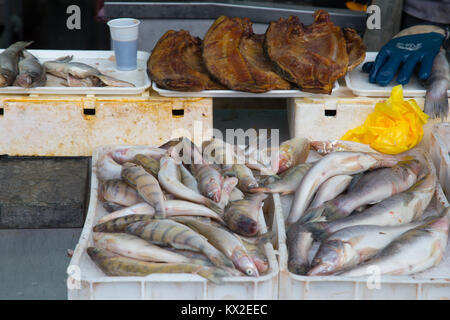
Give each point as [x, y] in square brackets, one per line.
[24, 80]
[245, 264]
[241, 224]
[329, 258]
[6, 77]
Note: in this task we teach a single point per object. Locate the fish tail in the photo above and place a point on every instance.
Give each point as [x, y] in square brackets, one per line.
[312, 214]
[216, 257]
[436, 100]
[113, 82]
[214, 275]
[64, 59]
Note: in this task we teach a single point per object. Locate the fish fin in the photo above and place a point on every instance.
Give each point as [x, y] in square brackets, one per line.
[436, 103]
[285, 193]
[312, 214]
[260, 189]
[64, 59]
[113, 82]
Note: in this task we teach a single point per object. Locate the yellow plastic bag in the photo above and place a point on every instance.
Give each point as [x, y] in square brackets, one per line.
[395, 125]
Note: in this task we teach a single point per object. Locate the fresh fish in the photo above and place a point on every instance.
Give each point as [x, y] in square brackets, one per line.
[330, 189]
[128, 154]
[414, 251]
[9, 60]
[168, 177]
[147, 186]
[142, 208]
[257, 254]
[288, 182]
[31, 72]
[188, 179]
[401, 208]
[209, 181]
[179, 236]
[292, 153]
[195, 257]
[118, 192]
[120, 224]
[242, 216]
[236, 194]
[438, 84]
[326, 147]
[107, 168]
[150, 164]
[130, 246]
[373, 187]
[226, 242]
[229, 184]
[336, 163]
[186, 208]
[64, 67]
[245, 176]
[351, 246]
[111, 206]
[113, 264]
[299, 241]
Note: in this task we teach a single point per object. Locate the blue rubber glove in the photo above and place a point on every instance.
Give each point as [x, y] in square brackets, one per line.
[408, 51]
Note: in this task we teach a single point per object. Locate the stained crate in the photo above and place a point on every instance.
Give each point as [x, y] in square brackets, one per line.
[50, 125]
[87, 281]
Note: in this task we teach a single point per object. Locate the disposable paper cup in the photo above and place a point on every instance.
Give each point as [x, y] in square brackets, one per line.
[124, 35]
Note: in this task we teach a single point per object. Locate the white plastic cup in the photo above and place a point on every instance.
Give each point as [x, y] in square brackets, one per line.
[124, 35]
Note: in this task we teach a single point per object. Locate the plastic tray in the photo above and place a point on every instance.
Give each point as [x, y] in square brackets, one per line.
[87, 281]
[358, 82]
[239, 94]
[103, 60]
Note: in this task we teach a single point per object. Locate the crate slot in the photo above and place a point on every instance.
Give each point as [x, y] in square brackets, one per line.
[2, 111]
[89, 112]
[330, 113]
[178, 113]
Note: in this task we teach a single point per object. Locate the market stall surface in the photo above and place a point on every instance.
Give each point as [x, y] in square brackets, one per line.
[34, 261]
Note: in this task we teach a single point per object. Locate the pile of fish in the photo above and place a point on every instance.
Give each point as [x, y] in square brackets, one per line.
[362, 208]
[18, 67]
[172, 212]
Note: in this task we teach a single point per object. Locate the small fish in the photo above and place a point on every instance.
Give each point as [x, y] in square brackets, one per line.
[330, 189]
[107, 168]
[209, 181]
[351, 246]
[257, 254]
[413, 251]
[292, 153]
[179, 236]
[229, 184]
[169, 178]
[128, 154]
[333, 164]
[373, 187]
[150, 164]
[31, 72]
[147, 186]
[245, 177]
[288, 182]
[63, 67]
[438, 84]
[226, 242]
[242, 216]
[9, 60]
[120, 224]
[299, 241]
[111, 206]
[118, 192]
[113, 264]
[188, 179]
[130, 246]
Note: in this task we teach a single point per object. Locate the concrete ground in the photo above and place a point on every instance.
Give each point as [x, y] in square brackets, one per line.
[33, 262]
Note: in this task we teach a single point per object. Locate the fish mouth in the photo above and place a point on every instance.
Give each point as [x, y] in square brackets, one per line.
[321, 269]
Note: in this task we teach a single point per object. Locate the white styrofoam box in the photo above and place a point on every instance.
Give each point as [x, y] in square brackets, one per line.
[103, 60]
[87, 281]
[430, 284]
[331, 117]
[439, 150]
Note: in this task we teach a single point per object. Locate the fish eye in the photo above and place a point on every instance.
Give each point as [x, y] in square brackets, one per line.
[249, 272]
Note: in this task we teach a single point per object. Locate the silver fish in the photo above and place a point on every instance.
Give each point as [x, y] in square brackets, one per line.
[31, 72]
[9, 60]
[438, 84]
[331, 189]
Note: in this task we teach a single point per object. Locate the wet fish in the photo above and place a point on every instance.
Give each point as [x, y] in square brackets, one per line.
[333, 164]
[111, 206]
[150, 164]
[107, 168]
[177, 235]
[9, 60]
[142, 208]
[414, 251]
[351, 246]
[120, 224]
[373, 187]
[292, 153]
[188, 179]
[63, 67]
[130, 246]
[31, 72]
[147, 186]
[128, 154]
[242, 216]
[247, 181]
[328, 146]
[330, 189]
[299, 241]
[257, 254]
[226, 242]
[229, 184]
[438, 84]
[209, 181]
[288, 182]
[118, 192]
[169, 179]
[236, 194]
[113, 264]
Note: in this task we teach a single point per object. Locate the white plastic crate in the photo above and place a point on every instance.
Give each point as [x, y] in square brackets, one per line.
[331, 117]
[439, 150]
[87, 281]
